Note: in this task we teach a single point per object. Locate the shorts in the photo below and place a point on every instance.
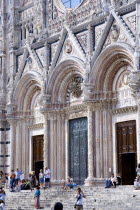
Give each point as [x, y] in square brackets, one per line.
[41, 180]
[47, 179]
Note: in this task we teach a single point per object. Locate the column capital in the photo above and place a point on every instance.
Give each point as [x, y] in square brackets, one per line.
[12, 122]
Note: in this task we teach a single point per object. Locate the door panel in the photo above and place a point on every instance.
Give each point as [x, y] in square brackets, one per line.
[127, 151]
[78, 150]
[38, 156]
[129, 168]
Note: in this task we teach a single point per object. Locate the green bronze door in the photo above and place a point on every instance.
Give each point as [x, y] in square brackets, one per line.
[78, 150]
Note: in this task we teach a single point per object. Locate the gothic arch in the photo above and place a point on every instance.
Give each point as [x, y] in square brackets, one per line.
[60, 77]
[109, 62]
[27, 91]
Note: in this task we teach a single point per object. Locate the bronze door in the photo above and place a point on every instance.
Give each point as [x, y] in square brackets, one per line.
[127, 151]
[38, 156]
[78, 150]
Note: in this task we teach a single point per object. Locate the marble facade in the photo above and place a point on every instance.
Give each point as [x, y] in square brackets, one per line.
[58, 64]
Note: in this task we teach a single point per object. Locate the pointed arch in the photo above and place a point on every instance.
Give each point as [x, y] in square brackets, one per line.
[27, 90]
[60, 78]
[108, 64]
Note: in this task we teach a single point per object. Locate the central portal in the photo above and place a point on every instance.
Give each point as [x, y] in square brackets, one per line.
[78, 150]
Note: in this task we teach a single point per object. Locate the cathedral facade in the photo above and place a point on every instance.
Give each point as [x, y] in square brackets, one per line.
[70, 88]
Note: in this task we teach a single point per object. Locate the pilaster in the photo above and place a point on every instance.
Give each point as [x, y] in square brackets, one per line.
[46, 143]
[13, 124]
[89, 180]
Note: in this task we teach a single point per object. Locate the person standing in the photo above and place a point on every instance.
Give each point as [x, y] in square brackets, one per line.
[37, 198]
[17, 173]
[33, 180]
[138, 169]
[41, 178]
[12, 179]
[47, 177]
[79, 202]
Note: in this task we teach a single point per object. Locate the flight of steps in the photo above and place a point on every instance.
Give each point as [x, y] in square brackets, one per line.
[121, 198]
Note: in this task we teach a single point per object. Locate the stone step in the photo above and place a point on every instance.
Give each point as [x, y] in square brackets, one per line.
[123, 197]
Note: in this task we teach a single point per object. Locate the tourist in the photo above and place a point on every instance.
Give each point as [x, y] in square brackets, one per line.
[2, 178]
[108, 183]
[2, 205]
[137, 183]
[30, 177]
[33, 180]
[58, 206]
[17, 173]
[119, 179]
[138, 169]
[18, 186]
[2, 199]
[41, 178]
[6, 178]
[113, 180]
[68, 183]
[37, 198]
[26, 185]
[47, 177]
[12, 180]
[79, 202]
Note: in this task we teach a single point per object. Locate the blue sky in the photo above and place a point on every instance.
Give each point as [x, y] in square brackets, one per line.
[71, 3]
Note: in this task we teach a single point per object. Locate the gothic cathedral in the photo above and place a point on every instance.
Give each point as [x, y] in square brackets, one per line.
[70, 88]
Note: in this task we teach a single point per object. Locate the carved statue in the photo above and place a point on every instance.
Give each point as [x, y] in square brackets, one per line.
[114, 33]
[68, 47]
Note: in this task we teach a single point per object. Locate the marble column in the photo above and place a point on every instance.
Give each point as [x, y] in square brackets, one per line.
[89, 180]
[18, 152]
[46, 156]
[12, 143]
[66, 149]
[2, 146]
[97, 132]
[59, 145]
[138, 128]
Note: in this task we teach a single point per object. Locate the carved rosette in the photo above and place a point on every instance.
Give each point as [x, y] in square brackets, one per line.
[75, 87]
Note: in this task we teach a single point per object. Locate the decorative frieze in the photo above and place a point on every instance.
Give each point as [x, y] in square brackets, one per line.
[124, 110]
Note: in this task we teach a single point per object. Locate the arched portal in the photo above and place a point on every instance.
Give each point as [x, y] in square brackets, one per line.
[110, 78]
[29, 146]
[65, 86]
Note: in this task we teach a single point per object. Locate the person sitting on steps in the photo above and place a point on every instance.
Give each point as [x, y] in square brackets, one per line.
[111, 182]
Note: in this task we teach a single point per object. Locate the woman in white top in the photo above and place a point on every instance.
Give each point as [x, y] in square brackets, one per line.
[79, 202]
[138, 169]
[41, 178]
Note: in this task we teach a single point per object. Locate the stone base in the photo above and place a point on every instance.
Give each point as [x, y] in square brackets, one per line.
[57, 183]
[95, 182]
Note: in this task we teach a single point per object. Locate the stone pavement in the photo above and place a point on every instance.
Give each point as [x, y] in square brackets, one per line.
[121, 198]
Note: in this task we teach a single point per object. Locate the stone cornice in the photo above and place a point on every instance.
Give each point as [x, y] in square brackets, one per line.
[125, 110]
[126, 9]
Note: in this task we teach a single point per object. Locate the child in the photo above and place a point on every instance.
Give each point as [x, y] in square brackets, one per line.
[37, 198]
